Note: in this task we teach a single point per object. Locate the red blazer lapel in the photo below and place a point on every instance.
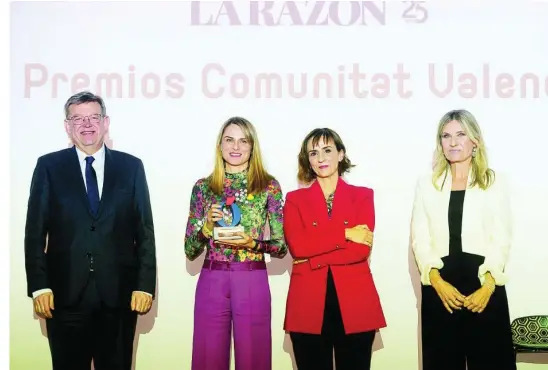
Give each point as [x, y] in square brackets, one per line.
[316, 203]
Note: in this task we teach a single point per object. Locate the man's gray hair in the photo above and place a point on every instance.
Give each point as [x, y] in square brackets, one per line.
[85, 97]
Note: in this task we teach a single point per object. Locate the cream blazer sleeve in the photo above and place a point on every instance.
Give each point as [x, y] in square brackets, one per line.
[421, 241]
[500, 232]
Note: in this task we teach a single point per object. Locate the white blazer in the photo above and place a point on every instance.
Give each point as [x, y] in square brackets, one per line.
[486, 226]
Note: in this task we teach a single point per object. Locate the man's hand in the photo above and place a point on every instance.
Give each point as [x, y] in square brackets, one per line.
[141, 302]
[43, 305]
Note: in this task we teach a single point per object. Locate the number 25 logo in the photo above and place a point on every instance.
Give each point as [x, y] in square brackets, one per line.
[415, 12]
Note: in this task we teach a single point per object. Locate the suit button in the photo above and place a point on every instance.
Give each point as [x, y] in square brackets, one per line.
[314, 223]
[336, 247]
[345, 222]
[319, 265]
[92, 228]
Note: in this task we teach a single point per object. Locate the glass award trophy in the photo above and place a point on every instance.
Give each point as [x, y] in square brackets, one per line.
[230, 223]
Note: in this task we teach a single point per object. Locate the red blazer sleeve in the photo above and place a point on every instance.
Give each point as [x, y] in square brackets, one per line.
[352, 252]
[306, 242]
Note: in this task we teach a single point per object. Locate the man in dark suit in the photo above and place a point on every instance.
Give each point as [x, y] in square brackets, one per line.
[90, 253]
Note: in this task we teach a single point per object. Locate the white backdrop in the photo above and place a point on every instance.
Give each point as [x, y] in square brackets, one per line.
[418, 61]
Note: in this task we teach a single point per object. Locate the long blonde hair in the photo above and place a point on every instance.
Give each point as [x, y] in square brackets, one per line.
[481, 174]
[257, 177]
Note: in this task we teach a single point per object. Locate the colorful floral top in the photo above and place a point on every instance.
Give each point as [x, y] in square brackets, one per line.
[256, 209]
[329, 202]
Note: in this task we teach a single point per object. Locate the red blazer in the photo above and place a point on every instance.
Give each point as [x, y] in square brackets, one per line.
[311, 235]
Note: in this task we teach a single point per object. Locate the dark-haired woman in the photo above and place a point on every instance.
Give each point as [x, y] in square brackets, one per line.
[332, 302]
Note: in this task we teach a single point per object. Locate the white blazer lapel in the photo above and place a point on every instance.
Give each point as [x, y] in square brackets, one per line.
[440, 205]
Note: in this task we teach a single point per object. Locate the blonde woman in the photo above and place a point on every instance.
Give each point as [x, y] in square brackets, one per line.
[461, 237]
[233, 290]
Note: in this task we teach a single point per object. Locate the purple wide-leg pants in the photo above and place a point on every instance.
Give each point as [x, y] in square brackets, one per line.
[234, 296]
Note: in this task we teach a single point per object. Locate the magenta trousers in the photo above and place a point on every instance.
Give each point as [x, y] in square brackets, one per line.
[232, 297]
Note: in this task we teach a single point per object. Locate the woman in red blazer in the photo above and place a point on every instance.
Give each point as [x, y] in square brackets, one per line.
[332, 301]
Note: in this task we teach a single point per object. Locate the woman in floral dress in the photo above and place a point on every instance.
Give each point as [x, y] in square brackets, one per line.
[233, 289]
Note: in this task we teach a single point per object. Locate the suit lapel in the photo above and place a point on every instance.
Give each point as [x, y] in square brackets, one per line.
[108, 181]
[444, 182]
[471, 215]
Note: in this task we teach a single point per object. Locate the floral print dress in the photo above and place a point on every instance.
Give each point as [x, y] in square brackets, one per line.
[259, 211]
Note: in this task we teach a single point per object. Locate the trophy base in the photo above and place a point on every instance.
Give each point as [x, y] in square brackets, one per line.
[227, 233]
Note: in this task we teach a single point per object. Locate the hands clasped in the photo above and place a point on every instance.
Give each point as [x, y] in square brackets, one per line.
[477, 301]
[452, 299]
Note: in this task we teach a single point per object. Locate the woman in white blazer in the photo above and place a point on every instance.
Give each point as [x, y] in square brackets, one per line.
[461, 236]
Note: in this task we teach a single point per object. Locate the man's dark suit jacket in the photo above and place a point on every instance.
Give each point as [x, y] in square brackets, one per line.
[120, 238]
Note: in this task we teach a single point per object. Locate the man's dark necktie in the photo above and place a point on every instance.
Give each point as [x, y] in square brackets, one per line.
[93, 188]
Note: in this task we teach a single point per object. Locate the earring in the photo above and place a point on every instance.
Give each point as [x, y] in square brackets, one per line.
[474, 152]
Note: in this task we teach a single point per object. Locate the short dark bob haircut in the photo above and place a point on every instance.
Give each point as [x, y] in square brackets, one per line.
[306, 173]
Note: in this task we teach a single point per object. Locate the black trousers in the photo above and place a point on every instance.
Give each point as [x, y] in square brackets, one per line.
[463, 339]
[315, 352]
[91, 330]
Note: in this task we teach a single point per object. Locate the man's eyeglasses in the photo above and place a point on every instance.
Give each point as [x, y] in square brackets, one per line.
[78, 120]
